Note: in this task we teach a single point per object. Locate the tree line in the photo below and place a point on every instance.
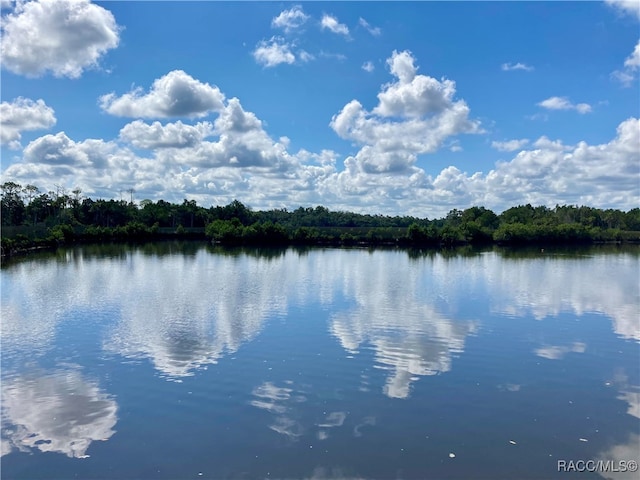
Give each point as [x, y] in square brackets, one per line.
[31, 218]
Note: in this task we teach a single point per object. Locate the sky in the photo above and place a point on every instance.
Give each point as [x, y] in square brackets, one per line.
[411, 108]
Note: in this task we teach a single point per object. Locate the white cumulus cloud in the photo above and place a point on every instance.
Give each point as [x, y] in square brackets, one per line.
[603, 176]
[171, 135]
[100, 168]
[244, 162]
[234, 157]
[600, 175]
[630, 7]
[61, 37]
[23, 114]
[60, 150]
[633, 61]
[54, 149]
[291, 19]
[413, 95]
[415, 115]
[176, 94]
[563, 103]
[509, 145]
[242, 143]
[628, 74]
[235, 119]
[332, 24]
[273, 52]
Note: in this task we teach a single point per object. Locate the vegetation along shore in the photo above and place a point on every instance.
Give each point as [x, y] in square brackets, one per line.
[34, 220]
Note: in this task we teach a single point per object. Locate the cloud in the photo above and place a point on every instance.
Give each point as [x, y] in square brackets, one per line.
[63, 38]
[415, 115]
[242, 143]
[368, 66]
[509, 145]
[291, 19]
[375, 31]
[507, 67]
[331, 23]
[273, 52]
[624, 77]
[553, 173]
[176, 94]
[98, 167]
[604, 176]
[242, 161]
[629, 7]
[59, 150]
[631, 65]
[413, 95]
[171, 135]
[235, 157]
[23, 114]
[305, 56]
[563, 103]
[235, 119]
[633, 61]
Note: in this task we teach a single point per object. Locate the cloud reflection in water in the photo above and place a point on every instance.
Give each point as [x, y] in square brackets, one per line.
[276, 400]
[392, 315]
[55, 412]
[184, 315]
[546, 286]
[184, 312]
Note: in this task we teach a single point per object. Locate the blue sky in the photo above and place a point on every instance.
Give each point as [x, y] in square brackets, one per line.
[399, 108]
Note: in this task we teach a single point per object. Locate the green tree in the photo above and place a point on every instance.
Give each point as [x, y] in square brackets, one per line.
[40, 208]
[225, 231]
[12, 205]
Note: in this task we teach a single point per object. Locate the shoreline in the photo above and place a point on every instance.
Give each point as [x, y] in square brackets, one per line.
[50, 245]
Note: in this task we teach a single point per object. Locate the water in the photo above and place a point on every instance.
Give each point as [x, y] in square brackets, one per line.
[181, 361]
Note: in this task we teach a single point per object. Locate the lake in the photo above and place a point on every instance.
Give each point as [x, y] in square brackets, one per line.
[181, 360]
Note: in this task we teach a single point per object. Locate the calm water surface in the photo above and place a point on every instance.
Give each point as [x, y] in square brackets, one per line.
[175, 361]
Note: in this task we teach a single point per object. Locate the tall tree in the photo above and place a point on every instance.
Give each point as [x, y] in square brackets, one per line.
[12, 204]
